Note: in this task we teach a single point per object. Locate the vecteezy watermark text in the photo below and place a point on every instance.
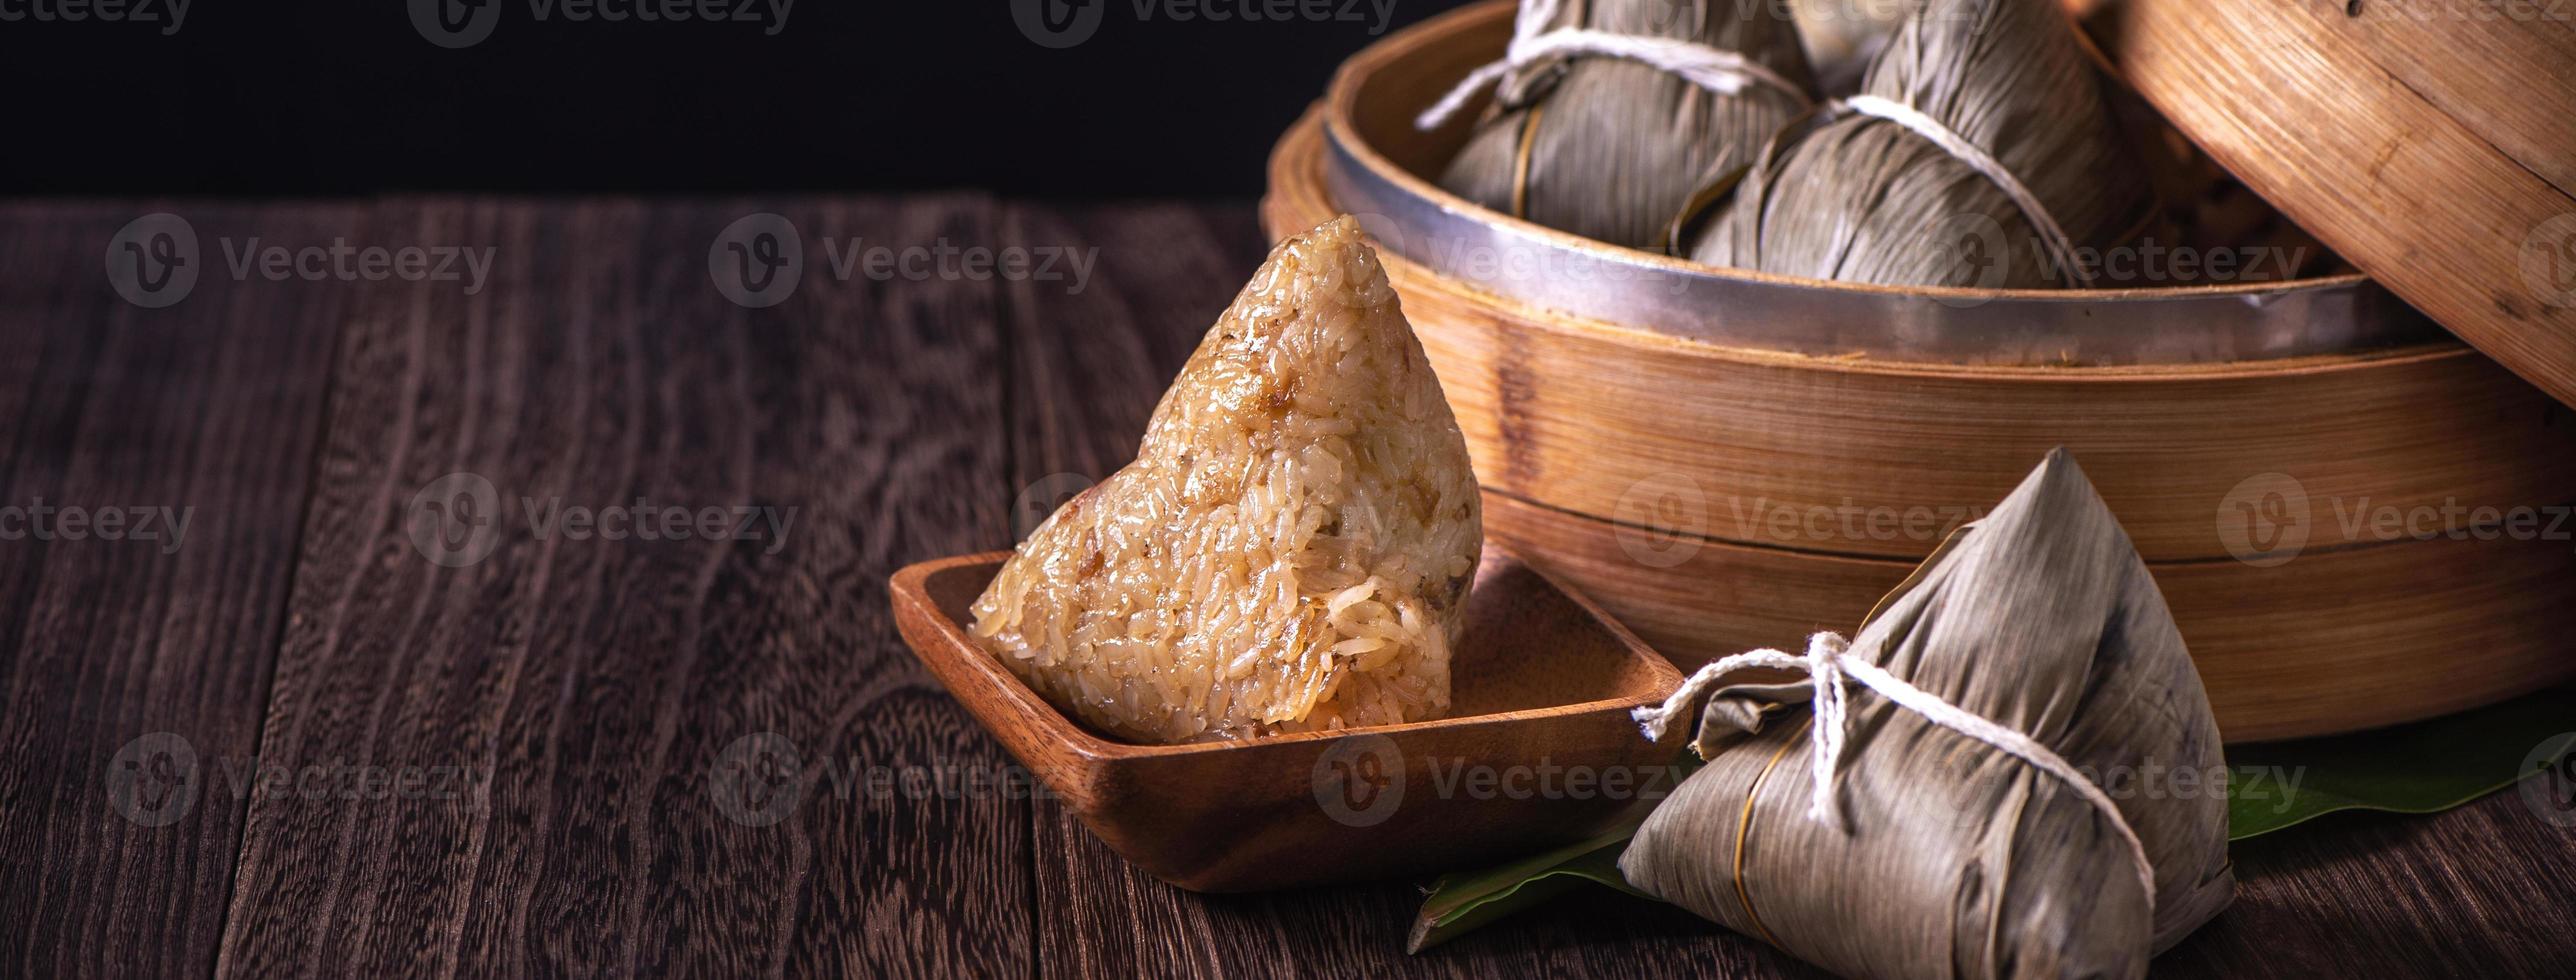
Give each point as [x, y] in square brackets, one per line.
[169, 14]
[1974, 778]
[1362, 780]
[2273, 786]
[1660, 521]
[2154, 263]
[946, 260]
[1065, 23]
[2269, 518]
[1979, 243]
[2474, 11]
[345, 262]
[466, 23]
[154, 261]
[758, 260]
[157, 778]
[1847, 521]
[457, 520]
[40, 521]
[764, 777]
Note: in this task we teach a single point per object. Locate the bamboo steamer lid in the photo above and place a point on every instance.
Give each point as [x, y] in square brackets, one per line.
[2431, 142]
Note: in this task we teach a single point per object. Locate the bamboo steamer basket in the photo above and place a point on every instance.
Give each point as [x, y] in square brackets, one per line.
[2431, 141]
[1728, 460]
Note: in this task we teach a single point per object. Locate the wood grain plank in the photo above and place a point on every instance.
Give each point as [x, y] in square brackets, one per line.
[614, 702]
[155, 652]
[2486, 890]
[653, 724]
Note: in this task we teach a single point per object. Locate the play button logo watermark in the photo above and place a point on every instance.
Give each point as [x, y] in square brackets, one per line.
[2264, 519]
[759, 780]
[1057, 23]
[455, 23]
[153, 781]
[451, 519]
[1972, 241]
[757, 261]
[2548, 780]
[153, 260]
[1359, 781]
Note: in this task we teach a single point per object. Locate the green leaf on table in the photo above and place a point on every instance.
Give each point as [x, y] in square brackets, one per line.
[2423, 767]
[1465, 901]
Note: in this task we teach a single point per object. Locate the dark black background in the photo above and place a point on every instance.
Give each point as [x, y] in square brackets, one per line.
[339, 98]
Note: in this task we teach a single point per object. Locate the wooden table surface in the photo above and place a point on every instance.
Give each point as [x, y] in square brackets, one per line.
[535, 762]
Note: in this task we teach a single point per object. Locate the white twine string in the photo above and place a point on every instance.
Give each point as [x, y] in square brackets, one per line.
[1827, 662]
[1717, 70]
[2060, 247]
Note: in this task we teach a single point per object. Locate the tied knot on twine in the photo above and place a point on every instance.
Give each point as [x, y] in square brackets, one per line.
[1827, 664]
[1715, 69]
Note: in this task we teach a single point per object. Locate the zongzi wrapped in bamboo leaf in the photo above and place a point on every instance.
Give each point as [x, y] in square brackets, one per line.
[1612, 112]
[1979, 152]
[1291, 549]
[2052, 805]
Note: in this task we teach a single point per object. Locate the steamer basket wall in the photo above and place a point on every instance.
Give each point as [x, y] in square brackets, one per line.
[1732, 460]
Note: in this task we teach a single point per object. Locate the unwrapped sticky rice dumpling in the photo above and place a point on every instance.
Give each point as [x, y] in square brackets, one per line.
[1292, 547]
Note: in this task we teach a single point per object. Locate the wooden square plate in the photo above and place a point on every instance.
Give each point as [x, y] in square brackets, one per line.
[1538, 751]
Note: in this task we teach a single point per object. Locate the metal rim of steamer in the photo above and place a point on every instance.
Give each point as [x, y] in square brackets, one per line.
[2175, 325]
